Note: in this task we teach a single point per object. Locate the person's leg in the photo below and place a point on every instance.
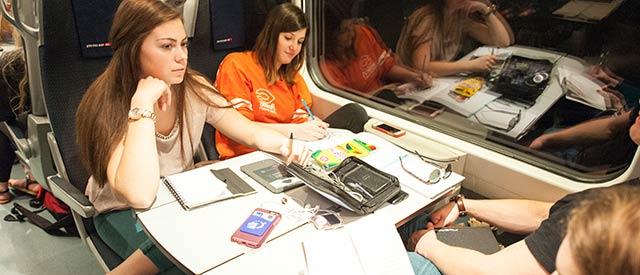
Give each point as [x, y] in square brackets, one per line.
[351, 117]
[417, 223]
[6, 162]
[422, 265]
[120, 230]
[137, 263]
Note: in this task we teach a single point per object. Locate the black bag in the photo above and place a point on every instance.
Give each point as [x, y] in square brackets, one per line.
[522, 79]
[354, 184]
[63, 224]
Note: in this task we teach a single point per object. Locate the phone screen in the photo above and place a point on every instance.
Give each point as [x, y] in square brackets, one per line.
[258, 223]
[388, 128]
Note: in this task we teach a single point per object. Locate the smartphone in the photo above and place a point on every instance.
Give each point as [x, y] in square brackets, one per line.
[256, 228]
[389, 130]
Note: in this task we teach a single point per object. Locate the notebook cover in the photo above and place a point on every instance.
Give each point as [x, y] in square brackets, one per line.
[480, 239]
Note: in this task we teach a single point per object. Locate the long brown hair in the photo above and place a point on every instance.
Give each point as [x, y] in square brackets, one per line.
[101, 118]
[408, 42]
[282, 18]
[604, 232]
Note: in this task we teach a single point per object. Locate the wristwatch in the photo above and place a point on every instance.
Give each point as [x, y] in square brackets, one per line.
[459, 200]
[136, 114]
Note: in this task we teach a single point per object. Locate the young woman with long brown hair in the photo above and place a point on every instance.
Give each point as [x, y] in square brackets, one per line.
[142, 118]
[432, 35]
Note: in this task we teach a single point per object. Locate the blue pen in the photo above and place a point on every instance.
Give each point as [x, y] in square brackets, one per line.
[307, 107]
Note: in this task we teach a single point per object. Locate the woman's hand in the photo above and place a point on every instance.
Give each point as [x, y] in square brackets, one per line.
[446, 215]
[424, 80]
[311, 130]
[482, 63]
[150, 91]
[295, 151]
[605, 75]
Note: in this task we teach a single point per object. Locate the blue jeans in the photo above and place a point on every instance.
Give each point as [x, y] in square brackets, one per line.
[421, 265]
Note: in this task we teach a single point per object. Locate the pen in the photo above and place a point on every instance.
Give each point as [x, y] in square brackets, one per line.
[290, 143]
[307, 107]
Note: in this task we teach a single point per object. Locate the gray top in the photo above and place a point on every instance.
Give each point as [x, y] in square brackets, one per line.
[197, 113]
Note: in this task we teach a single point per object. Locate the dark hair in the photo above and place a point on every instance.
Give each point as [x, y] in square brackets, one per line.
[101, 118]
[282, 18]
[335, 13]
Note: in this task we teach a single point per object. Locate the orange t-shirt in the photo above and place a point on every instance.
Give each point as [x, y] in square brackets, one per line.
[365, 72]
[242, 81]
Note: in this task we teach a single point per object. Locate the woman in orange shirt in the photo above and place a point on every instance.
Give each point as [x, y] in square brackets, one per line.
[265, 85]
[357, 60]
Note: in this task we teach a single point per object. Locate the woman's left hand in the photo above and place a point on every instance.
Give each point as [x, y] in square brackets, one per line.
[295, 150]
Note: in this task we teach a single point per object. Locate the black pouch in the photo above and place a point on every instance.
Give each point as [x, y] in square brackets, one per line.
[522, 79]
[354, 184]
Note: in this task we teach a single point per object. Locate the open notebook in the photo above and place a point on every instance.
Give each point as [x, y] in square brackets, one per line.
[202, 186]
[368, 246]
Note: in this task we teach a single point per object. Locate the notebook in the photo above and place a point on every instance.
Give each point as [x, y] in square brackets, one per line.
[480, 239]
[202, 186]
[368, 246]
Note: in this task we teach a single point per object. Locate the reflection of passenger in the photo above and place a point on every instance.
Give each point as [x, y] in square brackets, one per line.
[432, 36]
[357, 60]
[599, 142]
[616, 84]
[602, 234]
[265, 84]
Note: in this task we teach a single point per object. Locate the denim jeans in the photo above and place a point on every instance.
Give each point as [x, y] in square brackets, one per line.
[421, 265]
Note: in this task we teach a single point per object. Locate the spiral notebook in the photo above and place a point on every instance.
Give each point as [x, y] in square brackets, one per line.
[202, 186]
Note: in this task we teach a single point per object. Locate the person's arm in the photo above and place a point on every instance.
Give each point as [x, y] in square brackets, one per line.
[584, 133]
[512, 215]
[516, 216]
[495, 30]
[308, 131]
[422, 62]
[133, 170]
[237, 127]
[399, 73]
[515, 258]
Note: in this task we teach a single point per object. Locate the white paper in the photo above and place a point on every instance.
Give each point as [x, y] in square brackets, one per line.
[198, 186]
[331, 252]
[583, 89]
[420, 96]
[367, 246]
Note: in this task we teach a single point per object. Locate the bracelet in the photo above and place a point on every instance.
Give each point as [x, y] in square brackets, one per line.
[458, 199]
[136, 114]
[492, 10]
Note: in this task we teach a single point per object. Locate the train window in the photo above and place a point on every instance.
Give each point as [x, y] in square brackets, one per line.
[542, 81]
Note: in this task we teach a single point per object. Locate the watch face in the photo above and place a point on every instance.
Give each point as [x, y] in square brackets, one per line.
[134, 114]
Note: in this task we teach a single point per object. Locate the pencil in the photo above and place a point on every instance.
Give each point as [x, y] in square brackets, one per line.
[304, 103]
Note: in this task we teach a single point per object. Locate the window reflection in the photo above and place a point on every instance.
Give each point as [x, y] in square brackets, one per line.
[550, 83]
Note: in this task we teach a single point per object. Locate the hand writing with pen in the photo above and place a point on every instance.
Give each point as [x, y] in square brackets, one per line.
[294, 151]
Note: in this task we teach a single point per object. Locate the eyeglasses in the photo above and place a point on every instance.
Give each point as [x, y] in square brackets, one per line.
[441, 171]
[512, 122]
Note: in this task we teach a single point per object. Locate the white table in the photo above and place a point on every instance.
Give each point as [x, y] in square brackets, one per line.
[198, 241]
